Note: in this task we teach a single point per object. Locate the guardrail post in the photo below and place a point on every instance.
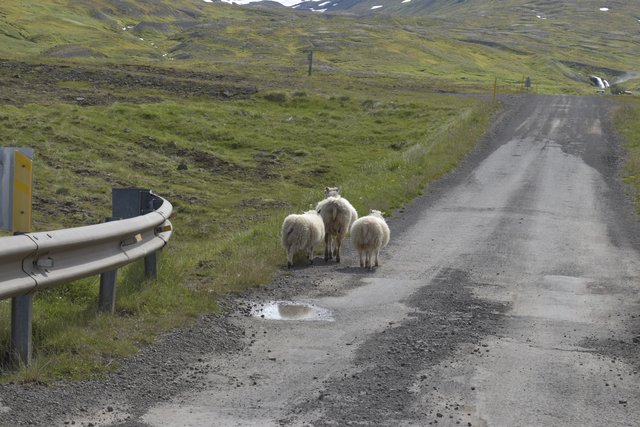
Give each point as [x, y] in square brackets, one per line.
[131, 202]
[107, 296]
[149, 201]
[151, 266]
[21, 321]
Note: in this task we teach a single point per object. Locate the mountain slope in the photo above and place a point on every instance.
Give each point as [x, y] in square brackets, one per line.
[446, 44]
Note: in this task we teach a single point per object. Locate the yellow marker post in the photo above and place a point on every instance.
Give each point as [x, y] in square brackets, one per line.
[22, 305]
[22, 193]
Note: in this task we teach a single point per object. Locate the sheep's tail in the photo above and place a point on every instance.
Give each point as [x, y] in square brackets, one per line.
[294, 236]
[334, 212]
[286, 232]
[290, 230]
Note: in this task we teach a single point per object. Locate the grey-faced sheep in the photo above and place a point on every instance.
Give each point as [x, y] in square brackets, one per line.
[301, 232]
[338, 215]
[369, 235]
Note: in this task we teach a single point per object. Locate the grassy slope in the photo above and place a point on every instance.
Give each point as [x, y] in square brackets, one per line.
[628, 123]
[462, 48]
[368, 120]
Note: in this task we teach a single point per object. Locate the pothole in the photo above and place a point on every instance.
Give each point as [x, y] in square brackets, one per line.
[289, 310]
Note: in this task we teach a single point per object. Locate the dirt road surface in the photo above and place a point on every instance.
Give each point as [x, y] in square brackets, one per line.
[508, 296]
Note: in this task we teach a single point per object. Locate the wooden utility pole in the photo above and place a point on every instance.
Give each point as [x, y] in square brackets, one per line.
[495, 89]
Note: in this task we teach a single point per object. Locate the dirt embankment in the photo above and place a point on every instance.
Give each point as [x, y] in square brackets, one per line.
[25, 83]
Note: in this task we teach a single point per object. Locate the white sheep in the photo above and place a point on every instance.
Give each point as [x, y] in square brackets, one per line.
[301, 231]
[338, 215]
[369, 235]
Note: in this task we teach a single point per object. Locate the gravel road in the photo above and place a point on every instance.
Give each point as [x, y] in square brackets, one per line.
[507, 296]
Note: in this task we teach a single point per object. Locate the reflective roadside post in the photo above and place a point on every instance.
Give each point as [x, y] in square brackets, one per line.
[22, 191]
[16, 192]
[15, 189]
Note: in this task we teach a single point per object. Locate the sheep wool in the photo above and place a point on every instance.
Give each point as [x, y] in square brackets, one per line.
[338, 215]
[369, 235]
[301, 232]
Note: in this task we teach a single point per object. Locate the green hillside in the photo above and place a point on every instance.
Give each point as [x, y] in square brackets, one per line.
[457, 46]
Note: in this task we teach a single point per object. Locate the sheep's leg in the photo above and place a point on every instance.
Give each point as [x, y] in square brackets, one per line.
[289, 257]
[327, 246]
[367, 263]
[310, 255]
[377, 253]
[361, 259]
[338, 242]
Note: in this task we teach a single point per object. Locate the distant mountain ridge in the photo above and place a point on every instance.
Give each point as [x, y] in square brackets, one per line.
[542, 9]
[399, 7]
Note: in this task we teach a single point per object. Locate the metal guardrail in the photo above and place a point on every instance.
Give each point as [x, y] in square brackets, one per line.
[34, 261]
[31, 262]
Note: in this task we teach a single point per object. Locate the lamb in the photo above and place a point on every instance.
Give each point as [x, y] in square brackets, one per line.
[338, 215]
[369, 235]
[300, 232]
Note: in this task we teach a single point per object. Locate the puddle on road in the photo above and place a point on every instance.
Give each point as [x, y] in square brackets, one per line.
[288, 310]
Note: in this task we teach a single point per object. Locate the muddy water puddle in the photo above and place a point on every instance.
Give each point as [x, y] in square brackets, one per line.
[290, 310]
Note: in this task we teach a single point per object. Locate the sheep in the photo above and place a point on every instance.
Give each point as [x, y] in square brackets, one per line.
[331, 191]
[338, 215]
[335, 192]
[369, 235]
[301, 231]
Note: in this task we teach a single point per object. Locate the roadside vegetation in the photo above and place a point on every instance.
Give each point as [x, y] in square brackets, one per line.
[232, 169]
[210, 106]
[627, 121]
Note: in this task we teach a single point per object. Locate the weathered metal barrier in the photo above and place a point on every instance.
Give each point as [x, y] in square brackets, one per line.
[32, 262]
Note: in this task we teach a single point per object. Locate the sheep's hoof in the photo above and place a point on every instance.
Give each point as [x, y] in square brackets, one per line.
[289, 264]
